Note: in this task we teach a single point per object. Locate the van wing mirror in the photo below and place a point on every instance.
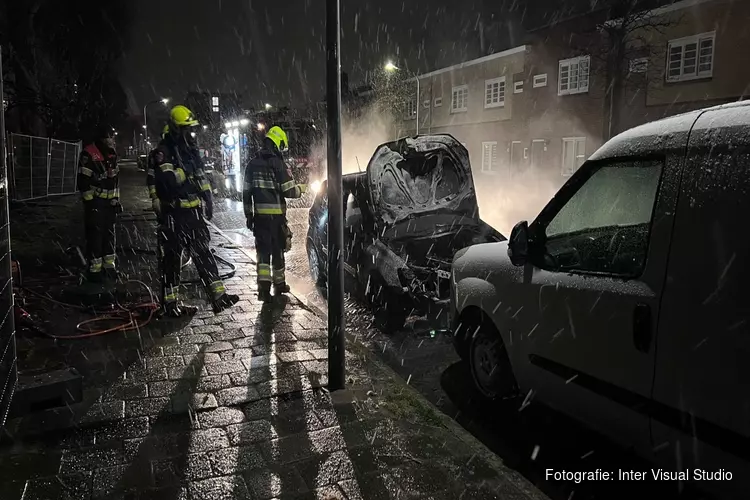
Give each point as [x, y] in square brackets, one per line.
[518, 244]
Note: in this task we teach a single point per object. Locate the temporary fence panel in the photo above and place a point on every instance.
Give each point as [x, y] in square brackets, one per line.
[63, 164]
[42, 167]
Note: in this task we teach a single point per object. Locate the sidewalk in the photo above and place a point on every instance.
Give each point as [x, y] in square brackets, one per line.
[234, 407]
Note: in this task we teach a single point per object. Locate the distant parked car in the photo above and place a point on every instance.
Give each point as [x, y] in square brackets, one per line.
[406, 216]
[625, 303]
[142, 162]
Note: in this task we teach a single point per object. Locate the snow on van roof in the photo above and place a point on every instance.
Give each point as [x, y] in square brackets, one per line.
[655, 136]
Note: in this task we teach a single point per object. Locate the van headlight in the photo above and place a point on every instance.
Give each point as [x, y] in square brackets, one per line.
[315, 187]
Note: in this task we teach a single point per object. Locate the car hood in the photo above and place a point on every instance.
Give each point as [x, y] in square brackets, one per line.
[421, 175]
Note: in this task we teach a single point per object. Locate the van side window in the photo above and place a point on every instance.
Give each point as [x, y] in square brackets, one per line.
[604, 226]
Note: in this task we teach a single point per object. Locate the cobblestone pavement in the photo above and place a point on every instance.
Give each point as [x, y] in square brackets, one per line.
[234, 406]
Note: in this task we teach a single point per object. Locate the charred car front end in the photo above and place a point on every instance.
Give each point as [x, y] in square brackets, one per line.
[405, 218]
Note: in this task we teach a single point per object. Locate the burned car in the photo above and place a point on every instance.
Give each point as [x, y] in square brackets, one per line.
[405, 217]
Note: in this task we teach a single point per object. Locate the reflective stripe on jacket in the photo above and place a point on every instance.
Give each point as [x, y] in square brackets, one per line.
[98, 174]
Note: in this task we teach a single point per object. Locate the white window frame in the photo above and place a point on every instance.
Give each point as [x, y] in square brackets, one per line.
[215, 109]
[494, 165]
[563, 171]
[518, 87]
[438, 102]
[682, 44]
[488, 89]
[540, 80]
[410, 113]
[575, 69]
[455, 92]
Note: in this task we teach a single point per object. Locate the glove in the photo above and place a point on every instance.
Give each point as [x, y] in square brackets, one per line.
[302, 188]
[209, 207]
[251, 224]
[117, 206]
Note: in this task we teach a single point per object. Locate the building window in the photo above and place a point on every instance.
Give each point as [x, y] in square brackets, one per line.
[639, 65]
[573, 76]
[494, 92]
[215, 109]
[460, 99]
[518, 87]
[540, 80]
[411, 109]
[438, 102]
[489, 157]
[214, 101]
[574, 154]
[691, 57]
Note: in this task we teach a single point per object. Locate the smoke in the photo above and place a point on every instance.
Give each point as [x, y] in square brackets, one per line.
[360, 136]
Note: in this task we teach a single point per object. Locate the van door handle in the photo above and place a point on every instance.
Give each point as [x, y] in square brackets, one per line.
[642, 327]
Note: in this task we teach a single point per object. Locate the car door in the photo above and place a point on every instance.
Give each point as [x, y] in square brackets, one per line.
[701, 416]
[596, 282]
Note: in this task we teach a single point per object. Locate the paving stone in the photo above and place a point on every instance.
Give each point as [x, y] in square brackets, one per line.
[238, 353]
[217, 320]
[351, 489]
[218, 347]
[62, 487]
[125, 391]
[137, 374]
[221, 417]
[193, 402]
[164, 362]
[86, 459]
[244, 317]
[237, 395]
[228, 334]
[250, 377]
[166, 341]
[251, 432]
[172, 472]
[236, 459]
[219, 488]
[325, 470]
[259, 361]
[113, 431]
[319, 353]
[197, 330]
[166, 388]
[202, 358]
[248, 342]
[107, 481]
[30, 464]
[303, 445]
[181, 349]
[106, 411]
[213, 383]
[208, 440]
[288, 357]
[225, 367]
[310, 334]
[302, 345]
[196, 339]
[186, 372]
[145, 407]
[288, 423]
[270, 483]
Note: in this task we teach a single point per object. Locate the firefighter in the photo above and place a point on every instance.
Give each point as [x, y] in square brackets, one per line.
[98, 182]
[182, 191]
[268, 181]
[151, 177]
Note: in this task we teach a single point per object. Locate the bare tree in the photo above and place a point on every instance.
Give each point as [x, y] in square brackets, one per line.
[626, 45]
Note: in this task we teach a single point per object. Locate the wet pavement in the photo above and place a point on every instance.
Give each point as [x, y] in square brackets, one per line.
[231, 406]
[529, 438]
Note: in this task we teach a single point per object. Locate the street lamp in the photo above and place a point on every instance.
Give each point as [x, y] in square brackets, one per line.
[163, 100]
[244, 122]
[268, 106]
[390, 67]
[261, 126]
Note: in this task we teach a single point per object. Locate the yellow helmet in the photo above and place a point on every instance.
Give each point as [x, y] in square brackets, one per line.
[182, 117]
[279, 138]
[164, 131]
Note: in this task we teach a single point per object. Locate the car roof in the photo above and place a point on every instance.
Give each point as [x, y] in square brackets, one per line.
[655, 137]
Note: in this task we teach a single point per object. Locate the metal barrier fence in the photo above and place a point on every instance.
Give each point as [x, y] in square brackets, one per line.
[42, 167]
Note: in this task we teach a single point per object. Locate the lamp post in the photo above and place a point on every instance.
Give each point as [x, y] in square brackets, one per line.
[164, 101]
[390, 67]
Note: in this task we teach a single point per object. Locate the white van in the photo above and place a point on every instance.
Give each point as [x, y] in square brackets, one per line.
[625, 304]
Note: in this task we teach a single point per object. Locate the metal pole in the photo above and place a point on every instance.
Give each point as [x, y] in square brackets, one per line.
[418, 105]
[336, 340]
[145, 123]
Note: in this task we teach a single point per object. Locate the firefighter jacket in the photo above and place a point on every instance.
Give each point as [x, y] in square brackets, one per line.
[179, 177]
[98, 173]
[268, 181]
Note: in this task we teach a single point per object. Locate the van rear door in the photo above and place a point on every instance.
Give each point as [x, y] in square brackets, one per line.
[701, 410]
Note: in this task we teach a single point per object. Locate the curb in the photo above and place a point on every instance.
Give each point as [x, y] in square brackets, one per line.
[510, 475]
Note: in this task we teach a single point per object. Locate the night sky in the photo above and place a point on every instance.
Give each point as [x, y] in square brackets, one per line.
[274, 51]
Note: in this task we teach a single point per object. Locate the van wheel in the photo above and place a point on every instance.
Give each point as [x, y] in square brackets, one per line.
[317, 271]
[489, 364]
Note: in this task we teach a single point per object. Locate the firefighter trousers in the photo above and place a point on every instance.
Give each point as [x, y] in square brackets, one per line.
[99, 218]
[270, 240]
[185, 229]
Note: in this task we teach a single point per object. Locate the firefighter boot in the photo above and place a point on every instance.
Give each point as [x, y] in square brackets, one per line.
[226, 301]
[175, 309]
[281, 288]
[264, 292]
